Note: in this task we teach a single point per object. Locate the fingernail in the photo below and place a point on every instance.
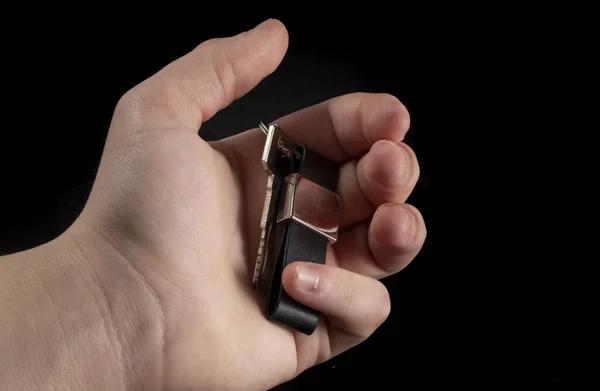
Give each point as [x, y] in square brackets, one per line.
[307, 278]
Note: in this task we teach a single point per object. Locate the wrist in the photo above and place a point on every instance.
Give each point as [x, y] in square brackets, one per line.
[78, 315]
[129, 308]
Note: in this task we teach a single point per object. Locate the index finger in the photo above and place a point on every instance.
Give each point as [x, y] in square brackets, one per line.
[347, 126]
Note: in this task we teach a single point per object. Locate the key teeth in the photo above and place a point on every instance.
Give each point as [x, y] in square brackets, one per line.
[260, 257]
[265, 212]
[261, 245]
[257, 270]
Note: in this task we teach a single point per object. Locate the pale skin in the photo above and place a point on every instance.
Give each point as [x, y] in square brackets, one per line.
[150, 286]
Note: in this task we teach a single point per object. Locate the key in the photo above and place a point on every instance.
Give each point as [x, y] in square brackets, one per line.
[300, 218]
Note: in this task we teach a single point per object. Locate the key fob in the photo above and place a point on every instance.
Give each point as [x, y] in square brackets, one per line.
[300, 219]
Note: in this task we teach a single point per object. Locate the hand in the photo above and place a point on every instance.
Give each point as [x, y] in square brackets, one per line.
[182, 216]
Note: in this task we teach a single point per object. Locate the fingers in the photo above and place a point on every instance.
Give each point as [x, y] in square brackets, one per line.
[347, 126]
[387, 245]
[355, 305]
[196, 86]
[350, 125]
[340, 128]
[386, 174]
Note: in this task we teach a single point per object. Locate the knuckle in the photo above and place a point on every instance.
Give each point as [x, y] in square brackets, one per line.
[226, 77]
[209, 46]
[146, 100]
[347, 294]
[129, 108]
[377, 311]
[213, 51]
[221, 70]
[136, 100]
[127, 101]
[373, 303]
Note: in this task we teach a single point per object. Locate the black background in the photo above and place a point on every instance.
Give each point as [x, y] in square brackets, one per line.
[473, 308]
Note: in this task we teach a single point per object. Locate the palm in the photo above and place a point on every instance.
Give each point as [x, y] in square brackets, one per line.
[191, 216]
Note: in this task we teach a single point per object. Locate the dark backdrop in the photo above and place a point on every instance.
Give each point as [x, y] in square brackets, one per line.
[466, 310]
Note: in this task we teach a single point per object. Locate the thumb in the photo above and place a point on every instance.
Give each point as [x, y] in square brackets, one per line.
[195, 87]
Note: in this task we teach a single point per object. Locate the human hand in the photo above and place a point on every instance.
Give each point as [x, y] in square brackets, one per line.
[181, 215]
